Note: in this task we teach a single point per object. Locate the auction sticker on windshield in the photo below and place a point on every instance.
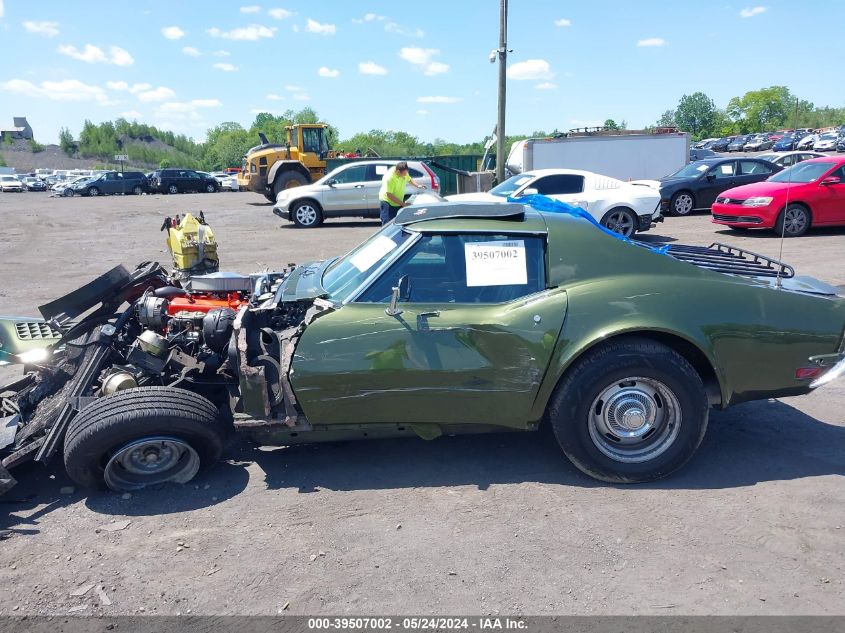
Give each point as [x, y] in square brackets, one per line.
[364, 259]
[496, 263]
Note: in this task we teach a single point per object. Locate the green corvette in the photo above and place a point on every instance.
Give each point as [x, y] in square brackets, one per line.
[455, 318]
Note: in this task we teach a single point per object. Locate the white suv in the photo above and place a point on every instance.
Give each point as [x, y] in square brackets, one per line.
[351, 190]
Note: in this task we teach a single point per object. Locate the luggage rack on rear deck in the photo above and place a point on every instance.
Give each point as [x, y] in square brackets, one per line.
[731, 260]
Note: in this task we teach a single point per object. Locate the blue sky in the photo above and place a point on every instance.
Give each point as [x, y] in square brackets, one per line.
[419, 67]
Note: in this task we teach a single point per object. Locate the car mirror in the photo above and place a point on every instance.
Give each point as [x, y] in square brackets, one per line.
[831, 180]
[331, 182]
[531, 191]
[401, 292]
[711, 176]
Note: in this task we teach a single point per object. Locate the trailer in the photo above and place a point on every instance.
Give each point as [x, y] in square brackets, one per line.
[622, 154]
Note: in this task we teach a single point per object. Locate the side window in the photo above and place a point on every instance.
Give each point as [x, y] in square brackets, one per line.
[415, 173]
[725, 170]
[381, 170]
[473, 268]
[558, 184]
[311, 140]
[838, 173]
[753, 168]
[358, 173]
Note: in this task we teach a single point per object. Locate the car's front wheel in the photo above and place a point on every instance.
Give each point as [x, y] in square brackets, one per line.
[93, 192]
[630, 411]
[68, 193]
[622, 221]
[793, 221]
[210, 188]
[142, 437]
[682, 203]
[306, 214]
[172, 189]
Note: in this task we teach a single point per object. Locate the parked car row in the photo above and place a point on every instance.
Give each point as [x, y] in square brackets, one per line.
[783, 141]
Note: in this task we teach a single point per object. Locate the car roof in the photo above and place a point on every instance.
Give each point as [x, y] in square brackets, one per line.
[558, 172]
[825, 159]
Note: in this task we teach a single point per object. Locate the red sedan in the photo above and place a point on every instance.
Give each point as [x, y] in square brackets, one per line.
[811, 193]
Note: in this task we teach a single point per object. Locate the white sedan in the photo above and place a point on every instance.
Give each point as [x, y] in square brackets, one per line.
[226, 181]
[619, 206]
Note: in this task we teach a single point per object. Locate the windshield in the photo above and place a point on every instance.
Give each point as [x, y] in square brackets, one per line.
[828, 137]
[690, 171]
[506, 188]
[347, 273]
[802, 172]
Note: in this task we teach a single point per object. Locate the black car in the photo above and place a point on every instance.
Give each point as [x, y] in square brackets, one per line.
[701, 154]
[181, 180]
[697, 185]
[840, 145]
[31, 183]
[739, 142]
[114, 182]
[722, 144]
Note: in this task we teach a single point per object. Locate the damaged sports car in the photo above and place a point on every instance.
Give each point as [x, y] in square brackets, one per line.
[455, 318]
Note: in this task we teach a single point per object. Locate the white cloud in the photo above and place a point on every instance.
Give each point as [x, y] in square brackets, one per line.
[173, 32]
[530, 69]
[138, 88]
[280, 14]
[301, 97]
[222, 53]
[393, 27]
[206, 103]
[439, 99]
[274, 97]
[563, 22]
[253, 8]
[312, 26]
[369, 17]
[130, 114]
[117, 85]
[546, 85]
[161, 93]
[251, 33]
[227, 68]
[191, 51]
[46, 29]
[750, 12]
[65, 90]
[651, 42]
[422, 57]
[423, 112]
[328, 72]
[371, 68]
[95, 55]
[292, 88]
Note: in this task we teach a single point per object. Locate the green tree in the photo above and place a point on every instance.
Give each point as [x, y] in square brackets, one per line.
[696, 113]
[767, 109]
[667, 119]
[66, 141]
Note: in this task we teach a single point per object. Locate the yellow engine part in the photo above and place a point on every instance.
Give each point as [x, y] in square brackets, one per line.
[192, 246]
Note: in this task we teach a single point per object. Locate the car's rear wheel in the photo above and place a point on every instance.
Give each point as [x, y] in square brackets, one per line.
[620, 220]
[630, 411]
[172, 189]
[142, 437]
[93, 191]
[793, 221]
[682, 203]
[306, 214]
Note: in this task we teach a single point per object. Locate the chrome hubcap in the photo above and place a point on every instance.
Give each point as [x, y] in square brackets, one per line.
[634, 420]
[620, 222]
[306, 215]
[151, 460]
[683, 204]
[794, 221]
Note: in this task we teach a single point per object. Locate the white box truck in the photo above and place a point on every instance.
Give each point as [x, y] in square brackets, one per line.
[624, 155]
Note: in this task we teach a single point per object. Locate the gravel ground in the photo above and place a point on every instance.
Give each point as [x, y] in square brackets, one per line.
[492, 524]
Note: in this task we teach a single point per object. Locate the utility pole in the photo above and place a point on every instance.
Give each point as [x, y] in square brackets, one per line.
[503, 62]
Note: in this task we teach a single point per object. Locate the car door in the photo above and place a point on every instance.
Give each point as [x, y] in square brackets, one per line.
[717, 179]
[470, 344]
[346, 195]
[193, 181]
[829, 203]
[750, 171]
[565, 187]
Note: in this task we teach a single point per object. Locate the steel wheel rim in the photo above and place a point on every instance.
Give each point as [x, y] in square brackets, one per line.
[634, 420]
[306, 215]
[93, 192]
[149, 461]
[209, 188]
[683, 204]
[794, 220]
[173, 189]
[620, 222]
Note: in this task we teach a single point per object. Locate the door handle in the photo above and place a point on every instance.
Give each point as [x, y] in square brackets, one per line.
[433, 313]
[359, 186]
[422, 320]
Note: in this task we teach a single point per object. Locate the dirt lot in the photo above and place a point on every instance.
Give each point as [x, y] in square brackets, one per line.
[458, 525]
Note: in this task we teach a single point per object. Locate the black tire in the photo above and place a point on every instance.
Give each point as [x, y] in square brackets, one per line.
[586, 395]
[793, 221]
[107, 427]
[137, 190]
[172, 189]
[621, 220]
[67, 193]
[93, 192]
[306, 214]
[287, 180]
[681, 204]
[211, 188]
